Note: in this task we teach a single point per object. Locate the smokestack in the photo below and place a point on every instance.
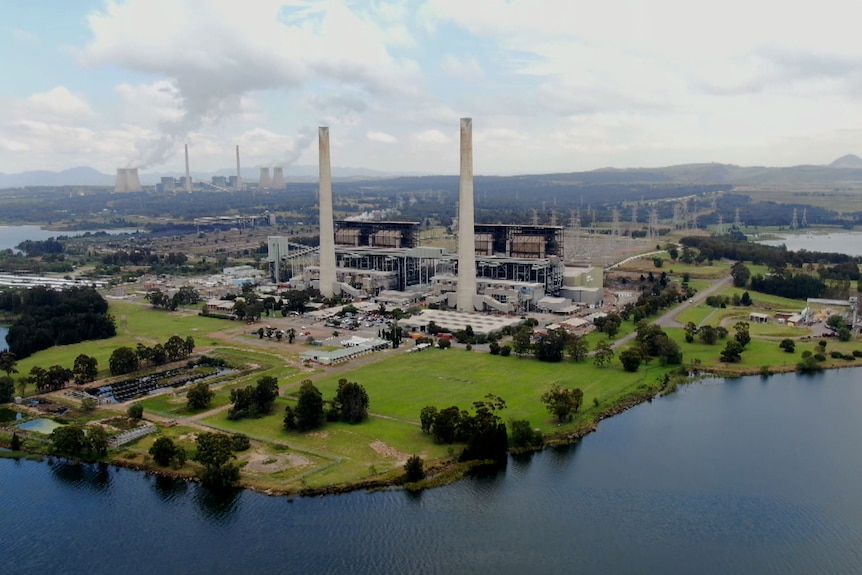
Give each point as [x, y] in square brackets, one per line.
[238, 173]
[265, 181]
[133, 182]
[188, 174]
[120, 185]
[327, 227]
[466, 237]
[278, 179]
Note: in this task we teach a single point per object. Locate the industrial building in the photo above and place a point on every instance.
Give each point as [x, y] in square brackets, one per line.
[498, 267]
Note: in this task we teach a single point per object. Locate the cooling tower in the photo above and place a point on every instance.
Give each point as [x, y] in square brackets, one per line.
[327, 226]
[120, 184]
[265, 181]
[188, 174]
[278, 179]
[133, 182]
[466, 239]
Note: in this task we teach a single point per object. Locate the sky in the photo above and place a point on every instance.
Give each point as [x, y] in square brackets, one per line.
[551, 85]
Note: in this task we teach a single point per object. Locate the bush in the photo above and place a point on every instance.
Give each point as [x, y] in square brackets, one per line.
[135, 411]
[506, 350]
[240, 442]
[836, 355]
[819, 357]
[857, 353]
[414, 469]
[523, 435]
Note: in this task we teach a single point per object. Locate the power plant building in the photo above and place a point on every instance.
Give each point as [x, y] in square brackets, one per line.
[127, 181]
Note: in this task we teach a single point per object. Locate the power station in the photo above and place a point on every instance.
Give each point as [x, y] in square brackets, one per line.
[498, 267]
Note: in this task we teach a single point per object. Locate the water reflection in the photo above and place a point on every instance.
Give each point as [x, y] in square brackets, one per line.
[218, 506]
[95, 476]
[169, 488]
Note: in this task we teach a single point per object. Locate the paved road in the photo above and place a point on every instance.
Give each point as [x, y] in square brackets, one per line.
[668, 318]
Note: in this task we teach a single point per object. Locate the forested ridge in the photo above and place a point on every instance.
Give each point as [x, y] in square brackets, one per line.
[45, 318]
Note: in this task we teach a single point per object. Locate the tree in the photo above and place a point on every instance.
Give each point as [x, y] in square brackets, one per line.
[631, 359]
[426, 418]
[444, 343]
[163, 451]
[97, 440]
[708, 334]
[446, 424]
[7, 388]
[609, 324]
[16, 443]
[742, 335]
[69, 439]
[563, 403]
[8, 362]
[265, 393]
[522, 435]
[85, 369]
[254, 401]
[788, 345]
[414, 469]
[578, 347]
[550, 346]
[485, 431]
[199, 396]
[215, 453]
[37, 377]
[351, 400]
[309, 407]
[123, 360]
[521, 340]
[57, 377]
[135, 411]
[732, 352]
[175, 348]
[740, 273]
[603, 354]
[291, 335]
[745, 299]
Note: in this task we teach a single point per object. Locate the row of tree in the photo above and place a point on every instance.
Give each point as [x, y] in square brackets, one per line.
[483, 431]
[350, 405]
[127, 360]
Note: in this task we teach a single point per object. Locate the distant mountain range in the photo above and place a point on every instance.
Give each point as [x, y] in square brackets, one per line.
[844, 169]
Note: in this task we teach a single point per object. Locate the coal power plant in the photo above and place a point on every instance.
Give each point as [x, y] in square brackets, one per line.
[128, 180]
[500, 268]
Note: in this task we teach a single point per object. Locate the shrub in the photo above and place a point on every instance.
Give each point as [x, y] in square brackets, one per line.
[240, 442]
[836, 355]
[506, 350]
[135, 411]
[523, 435]
[857, 353]
[819, 357]
[414, 469]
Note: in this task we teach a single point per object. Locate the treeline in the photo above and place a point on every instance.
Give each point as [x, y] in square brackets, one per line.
[738, 248]
[45, 318]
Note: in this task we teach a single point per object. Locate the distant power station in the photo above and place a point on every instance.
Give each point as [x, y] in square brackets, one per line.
[498, 267]
[128, 180]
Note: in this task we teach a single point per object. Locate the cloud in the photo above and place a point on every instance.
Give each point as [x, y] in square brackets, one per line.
[467, 69]
[25, 37]
[57, 103]
[214, 52]
[431, 137]
[381, 137]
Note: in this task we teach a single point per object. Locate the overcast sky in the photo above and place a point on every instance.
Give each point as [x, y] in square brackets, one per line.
[551, 85]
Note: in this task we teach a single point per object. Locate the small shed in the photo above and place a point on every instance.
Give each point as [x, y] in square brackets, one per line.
[756, 317]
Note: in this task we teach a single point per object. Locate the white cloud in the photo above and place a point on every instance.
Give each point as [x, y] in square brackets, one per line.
[467, 69]
[25, 37]
[381, 137]
[431, 137]
[58, 102]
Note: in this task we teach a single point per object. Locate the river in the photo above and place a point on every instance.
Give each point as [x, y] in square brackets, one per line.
[752, 475]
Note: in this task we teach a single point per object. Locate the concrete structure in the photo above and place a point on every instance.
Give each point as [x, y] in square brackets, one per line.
[188, 185]
[466, 240]
[237, 183]
[455, 321]
[277, 182]
[127, 181]
[327, 225]
[265, 181]
[757, 317]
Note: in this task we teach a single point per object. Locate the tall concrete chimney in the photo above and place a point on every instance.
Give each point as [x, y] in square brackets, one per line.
[265, 181]
[120, 185]
[327, 226]
[188, 174]
[466, 236]
[238, 173]
[278, 179]
[133, 182]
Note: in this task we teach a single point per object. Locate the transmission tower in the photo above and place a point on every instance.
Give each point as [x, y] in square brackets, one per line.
[535, 216]
[615, 223]
[652, 229]
[553, 218]
[736, 221]
[794, 224]
[719, 229]
[804, 217]
[634, 216]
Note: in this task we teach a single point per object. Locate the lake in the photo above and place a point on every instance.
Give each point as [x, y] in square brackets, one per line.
[11, 236]
[838, 242]
[755, 476]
